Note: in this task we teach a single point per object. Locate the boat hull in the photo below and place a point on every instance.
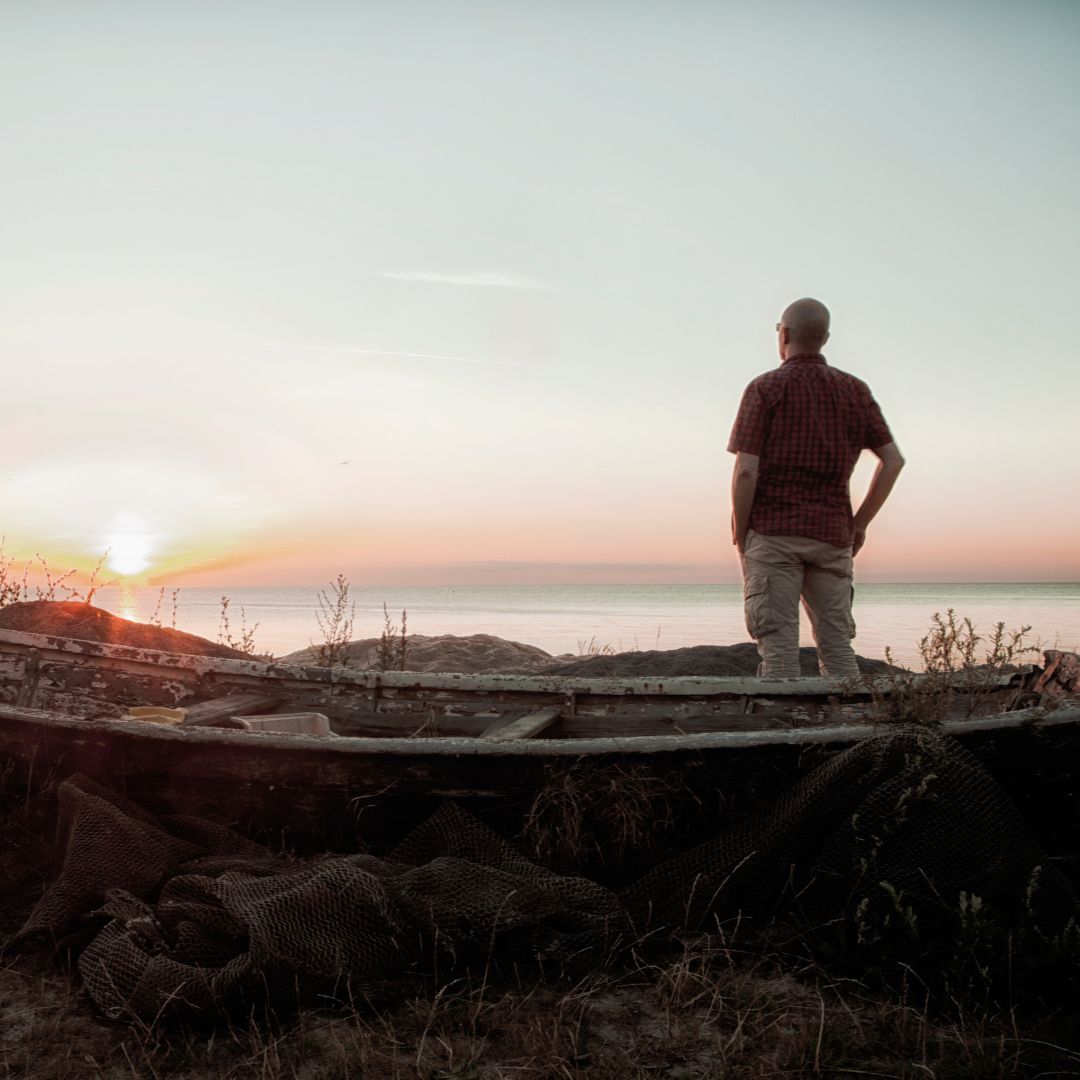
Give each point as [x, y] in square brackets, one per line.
[375, 786]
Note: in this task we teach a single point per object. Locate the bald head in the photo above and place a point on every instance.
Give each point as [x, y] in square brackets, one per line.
[804, 326]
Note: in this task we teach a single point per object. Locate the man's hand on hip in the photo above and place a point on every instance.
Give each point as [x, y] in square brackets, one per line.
[859, 540]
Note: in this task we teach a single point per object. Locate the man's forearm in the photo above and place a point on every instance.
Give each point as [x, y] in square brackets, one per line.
[743, 488]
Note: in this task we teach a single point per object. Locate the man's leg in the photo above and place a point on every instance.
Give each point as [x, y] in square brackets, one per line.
[828, 588]
[772, 582]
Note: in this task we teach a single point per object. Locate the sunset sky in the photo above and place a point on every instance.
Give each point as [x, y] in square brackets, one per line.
[469, 292]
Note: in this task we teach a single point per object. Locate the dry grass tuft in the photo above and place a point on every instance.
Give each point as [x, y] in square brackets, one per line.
[585, 813]
[592, 647]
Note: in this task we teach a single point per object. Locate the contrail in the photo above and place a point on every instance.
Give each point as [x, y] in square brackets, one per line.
[390, 352]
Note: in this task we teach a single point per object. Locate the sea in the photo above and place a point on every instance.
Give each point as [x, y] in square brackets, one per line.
[579, 619]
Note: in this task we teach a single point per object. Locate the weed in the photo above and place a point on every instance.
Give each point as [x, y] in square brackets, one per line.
[53, 585]
[12, 588]
[15, 588]
[392, 650]
[92, 585]
[335, 616]
[245, 643]
[959, 666]
[592, 647]
[155, 618]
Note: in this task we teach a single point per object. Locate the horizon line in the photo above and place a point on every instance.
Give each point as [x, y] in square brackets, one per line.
[576, 584]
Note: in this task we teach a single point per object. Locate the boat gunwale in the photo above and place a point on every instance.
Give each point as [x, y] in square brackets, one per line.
[1037, 717]
[655, 686]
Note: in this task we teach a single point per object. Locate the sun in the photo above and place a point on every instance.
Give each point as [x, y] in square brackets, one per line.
[129, 553]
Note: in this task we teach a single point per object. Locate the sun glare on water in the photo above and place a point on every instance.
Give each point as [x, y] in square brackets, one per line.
[129, 553]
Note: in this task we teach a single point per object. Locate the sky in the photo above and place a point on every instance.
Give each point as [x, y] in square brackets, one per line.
[469, 292]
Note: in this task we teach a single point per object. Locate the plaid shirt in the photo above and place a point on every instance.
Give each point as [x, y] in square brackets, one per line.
[808, 423]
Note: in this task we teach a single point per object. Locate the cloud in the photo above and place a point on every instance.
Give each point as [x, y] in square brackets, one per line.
[477, 280]
[498, 565]
[391, 352]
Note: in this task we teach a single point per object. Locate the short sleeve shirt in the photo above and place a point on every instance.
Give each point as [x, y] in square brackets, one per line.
[808, 422]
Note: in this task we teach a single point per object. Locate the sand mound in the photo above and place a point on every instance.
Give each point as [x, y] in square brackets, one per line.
[484, 654]
[474, 654]
[741, 659]
[73, 619]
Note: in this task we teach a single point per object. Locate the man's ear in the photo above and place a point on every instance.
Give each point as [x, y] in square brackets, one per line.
[825, 338]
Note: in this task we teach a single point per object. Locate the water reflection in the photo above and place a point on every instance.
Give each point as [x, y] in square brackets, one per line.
[127, 603]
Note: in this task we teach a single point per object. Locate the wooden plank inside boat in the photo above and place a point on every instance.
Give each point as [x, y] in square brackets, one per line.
[209, 712]
[524, 727]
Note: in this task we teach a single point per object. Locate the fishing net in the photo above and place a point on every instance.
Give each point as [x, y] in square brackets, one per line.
[178, 915]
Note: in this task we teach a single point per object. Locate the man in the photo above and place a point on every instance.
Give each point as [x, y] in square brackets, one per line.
[801, 427]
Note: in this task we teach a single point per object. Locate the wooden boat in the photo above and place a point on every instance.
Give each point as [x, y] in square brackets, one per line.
[402, 737]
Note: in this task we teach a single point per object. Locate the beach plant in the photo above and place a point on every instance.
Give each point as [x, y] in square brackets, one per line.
[93, 584]
[245, 642]
[393, 646]
[155, 618]
[15, 587]
[54, 588]
[958, 665]
[592, 647]
[12, 586]
[335, 615]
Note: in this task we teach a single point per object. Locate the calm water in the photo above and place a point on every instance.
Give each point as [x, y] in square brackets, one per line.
[564, 618]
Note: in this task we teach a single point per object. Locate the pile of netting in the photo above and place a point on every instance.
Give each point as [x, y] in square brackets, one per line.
[182, 916]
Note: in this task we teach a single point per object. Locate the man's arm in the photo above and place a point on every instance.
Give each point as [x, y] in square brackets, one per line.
[890, 462]
[743, 487]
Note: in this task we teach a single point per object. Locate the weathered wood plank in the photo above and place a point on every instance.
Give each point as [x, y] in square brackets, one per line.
[524, 727]
[31, 674]
[223, 708]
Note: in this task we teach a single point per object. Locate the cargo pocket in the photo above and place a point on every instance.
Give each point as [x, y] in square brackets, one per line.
[757, 605]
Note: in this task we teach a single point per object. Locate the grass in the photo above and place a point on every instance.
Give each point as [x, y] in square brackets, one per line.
[711, 1011]
[592, 647]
